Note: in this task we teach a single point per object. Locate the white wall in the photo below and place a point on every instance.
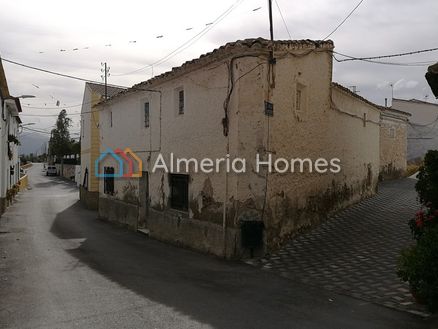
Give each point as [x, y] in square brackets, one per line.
[422, 128]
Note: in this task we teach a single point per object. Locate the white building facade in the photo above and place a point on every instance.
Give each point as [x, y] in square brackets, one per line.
[423, 126]
[9, 145]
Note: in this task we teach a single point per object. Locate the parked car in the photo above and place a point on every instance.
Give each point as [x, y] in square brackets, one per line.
[51, 170]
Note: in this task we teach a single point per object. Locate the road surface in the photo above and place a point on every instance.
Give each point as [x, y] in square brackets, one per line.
[61, 267]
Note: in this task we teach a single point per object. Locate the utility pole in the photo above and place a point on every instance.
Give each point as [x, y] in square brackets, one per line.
[105, 74]
[271, 24]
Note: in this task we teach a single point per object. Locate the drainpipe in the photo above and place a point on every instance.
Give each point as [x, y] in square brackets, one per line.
[224, 214]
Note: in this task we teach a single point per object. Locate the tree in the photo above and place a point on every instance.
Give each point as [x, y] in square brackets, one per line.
[60, 142]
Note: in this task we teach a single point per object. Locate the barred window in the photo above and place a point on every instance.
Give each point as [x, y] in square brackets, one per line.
[108, 181]
[146, 114]
[181, 102]
[179, 191]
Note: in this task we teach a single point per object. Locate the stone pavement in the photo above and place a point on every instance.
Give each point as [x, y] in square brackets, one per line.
[355, 252]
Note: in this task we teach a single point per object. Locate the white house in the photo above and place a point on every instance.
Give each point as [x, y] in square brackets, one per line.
[423, 126]
[9, 126]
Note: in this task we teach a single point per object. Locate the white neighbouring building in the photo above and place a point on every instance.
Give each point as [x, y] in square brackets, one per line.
[9, 154]
[423, 126]
[220, 104]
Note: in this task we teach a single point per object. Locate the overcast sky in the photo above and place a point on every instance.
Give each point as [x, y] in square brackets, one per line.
[124, 34]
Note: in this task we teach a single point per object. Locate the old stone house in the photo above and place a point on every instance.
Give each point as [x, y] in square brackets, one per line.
[252, 100]
[9, 157]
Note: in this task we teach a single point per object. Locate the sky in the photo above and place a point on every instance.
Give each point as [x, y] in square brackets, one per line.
[75, 37]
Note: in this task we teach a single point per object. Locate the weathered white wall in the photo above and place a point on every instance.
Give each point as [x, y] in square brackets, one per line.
[331, 125]
[319, 130]
[393, 146]
[423, 126]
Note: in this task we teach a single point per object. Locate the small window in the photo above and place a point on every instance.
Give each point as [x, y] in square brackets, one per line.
[298, 105]
[392, 132]
[179, 192]
[300, 102]
[108, 182]
[146, 114]
[181, 102]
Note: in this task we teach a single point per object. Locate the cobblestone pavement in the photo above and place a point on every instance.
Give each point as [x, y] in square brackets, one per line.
[355, 252]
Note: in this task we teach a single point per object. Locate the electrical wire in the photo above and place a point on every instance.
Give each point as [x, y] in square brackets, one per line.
[53, 108]
[284, 21]
[413, 64]
[189, 42]
[344, 20]
[353, 58]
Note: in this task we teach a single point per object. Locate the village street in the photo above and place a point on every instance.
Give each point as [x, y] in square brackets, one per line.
[61, 267]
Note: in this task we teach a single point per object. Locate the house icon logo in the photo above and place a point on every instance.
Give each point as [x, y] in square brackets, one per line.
[126, 160]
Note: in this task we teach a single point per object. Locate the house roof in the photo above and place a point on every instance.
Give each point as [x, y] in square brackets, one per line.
[413, 100]
[231, 48]
[389, 111]
[363, 99]
[4, 90]
[100, 89]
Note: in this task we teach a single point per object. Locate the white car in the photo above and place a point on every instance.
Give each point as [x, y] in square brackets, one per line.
[51, 170]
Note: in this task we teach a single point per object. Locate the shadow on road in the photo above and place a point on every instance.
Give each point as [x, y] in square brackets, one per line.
[214, 292]
[55, 181]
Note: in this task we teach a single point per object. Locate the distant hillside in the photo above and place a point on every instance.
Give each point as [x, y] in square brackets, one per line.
[32, 143]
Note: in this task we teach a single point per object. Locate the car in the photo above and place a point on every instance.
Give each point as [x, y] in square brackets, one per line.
[51, 170]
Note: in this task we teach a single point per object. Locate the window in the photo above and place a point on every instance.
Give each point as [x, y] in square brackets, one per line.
[108, 181]
[298, 105]
[181, 101]
[146, 114]
[392, 132]
[300, 102]
[179, 191]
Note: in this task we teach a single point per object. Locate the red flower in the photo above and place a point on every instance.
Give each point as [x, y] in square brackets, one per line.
[419, 223]
[419, 214]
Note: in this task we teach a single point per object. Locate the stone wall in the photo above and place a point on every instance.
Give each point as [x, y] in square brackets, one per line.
[118, 211]
[89, 199]
[393, 144]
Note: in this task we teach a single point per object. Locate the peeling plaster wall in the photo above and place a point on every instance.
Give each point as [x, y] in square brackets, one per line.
[295, 201]
[393, 147]
[292, 201]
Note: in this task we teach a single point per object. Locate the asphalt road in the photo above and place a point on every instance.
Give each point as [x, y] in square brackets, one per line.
[61, 267]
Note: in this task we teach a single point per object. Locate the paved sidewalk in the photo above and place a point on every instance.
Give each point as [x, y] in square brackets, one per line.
[355, 252]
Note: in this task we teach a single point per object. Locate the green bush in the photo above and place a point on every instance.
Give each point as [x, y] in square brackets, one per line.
[427, 185]
[418, 265]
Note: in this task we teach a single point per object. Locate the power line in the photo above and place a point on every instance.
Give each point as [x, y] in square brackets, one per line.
[284, 22]
[413, 64]
[47, 115]
[344, 20]
[52, 108]
[189, 42]
[352, 58]
[48, 71]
